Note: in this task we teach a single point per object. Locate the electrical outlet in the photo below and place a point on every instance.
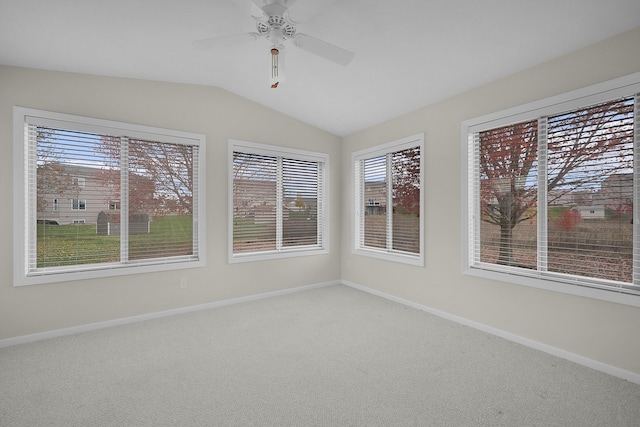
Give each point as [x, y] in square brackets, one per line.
[183, 283]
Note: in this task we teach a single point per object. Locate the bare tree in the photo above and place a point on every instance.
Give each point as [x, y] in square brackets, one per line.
[52, 176]
[160, 178]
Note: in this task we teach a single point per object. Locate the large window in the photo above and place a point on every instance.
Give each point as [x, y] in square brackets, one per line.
[389, 201]
[278, 202]
[552, 192]
[83, 165]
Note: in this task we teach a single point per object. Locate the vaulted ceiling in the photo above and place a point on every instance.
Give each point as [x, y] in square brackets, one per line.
[408, 53]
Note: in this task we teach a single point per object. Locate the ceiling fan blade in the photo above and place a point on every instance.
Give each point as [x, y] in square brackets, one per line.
[253, 8]
[305, 10]
[321, 48]
[225, 41]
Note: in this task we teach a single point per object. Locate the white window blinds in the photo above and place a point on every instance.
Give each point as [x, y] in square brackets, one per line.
[278, 201]
[389, 200]
[590, 192]
[99, 198]
[555, 196]
[508, 189]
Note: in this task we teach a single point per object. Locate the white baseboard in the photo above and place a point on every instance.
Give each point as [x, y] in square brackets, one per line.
[576, 358]
[140, 318]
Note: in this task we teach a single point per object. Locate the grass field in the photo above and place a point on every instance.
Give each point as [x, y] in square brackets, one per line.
[599, 248]
[406, 232]
[299, 229]
[63, 245]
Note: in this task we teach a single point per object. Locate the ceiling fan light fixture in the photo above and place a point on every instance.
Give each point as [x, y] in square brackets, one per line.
[273, 23]
[277, 66]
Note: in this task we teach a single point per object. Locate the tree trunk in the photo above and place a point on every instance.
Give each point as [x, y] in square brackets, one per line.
[505, 256]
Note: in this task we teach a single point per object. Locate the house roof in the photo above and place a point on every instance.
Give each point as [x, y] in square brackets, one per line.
[408, 53]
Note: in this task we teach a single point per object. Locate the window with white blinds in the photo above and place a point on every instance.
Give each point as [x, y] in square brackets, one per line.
[389, 201]
[552, 196]
[98, 198]
[277, 203]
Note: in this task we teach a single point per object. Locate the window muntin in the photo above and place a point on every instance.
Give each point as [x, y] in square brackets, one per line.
[157, 223]
[386, 176]
[278, 200]
[79, 204]
[568, 201]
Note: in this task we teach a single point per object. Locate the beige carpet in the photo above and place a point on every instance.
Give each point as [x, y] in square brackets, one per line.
[331, 356]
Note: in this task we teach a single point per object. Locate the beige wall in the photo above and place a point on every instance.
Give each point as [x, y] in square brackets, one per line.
[602, 331]
[598, 330]
[214, 112]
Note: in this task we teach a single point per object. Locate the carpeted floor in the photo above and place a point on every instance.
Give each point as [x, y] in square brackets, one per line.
[331, 356]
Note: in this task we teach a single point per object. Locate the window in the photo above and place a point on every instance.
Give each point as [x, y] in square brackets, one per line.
[85, 165]
[552, 192]
[389, 201]
[78, 181]
[278, 202]
[79, 204]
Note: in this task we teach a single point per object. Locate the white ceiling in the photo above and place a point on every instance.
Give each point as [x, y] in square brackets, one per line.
[408, 53]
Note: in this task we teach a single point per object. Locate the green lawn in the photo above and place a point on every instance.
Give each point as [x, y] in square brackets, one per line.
[60, 245]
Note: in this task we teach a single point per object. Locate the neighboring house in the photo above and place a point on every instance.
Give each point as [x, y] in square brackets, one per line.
[256, 199]
[561, 198]
[617, 191]
[375, 196]
[71, 194]
[590, 212]
[253, 198]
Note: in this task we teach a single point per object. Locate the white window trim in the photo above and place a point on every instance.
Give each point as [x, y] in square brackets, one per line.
[23, 231]
[290, 153]
[79, 205]
[378, 150]
[576, 99]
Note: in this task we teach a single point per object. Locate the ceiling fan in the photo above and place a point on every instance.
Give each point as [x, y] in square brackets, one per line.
[274, 23]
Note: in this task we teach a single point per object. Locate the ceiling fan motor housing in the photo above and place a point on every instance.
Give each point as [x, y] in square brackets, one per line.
[276, 25]
[276, 28]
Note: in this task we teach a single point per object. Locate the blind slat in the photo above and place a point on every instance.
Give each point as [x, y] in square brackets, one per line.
[277, 203]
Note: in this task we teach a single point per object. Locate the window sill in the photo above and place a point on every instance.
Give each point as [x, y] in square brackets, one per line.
[556, 284]
[271, 255]
[401, 257]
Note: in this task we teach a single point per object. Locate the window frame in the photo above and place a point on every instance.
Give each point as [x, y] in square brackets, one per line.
[81, 203]
[573, 100]
[236, 145]
[416, 140]
[24, 231]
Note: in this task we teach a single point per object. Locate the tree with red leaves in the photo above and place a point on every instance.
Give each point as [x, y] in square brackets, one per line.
[508, 160]
[160, 175]
[406, 181]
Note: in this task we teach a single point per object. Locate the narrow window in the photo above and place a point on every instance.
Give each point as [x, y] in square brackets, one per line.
[389, 201]
[78, 204]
